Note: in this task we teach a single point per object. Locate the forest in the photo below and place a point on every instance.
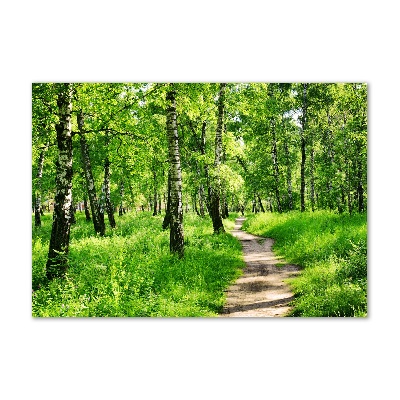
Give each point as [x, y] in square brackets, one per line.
[137, 186]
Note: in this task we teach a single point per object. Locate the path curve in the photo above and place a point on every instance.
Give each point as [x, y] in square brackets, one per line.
[261, 290]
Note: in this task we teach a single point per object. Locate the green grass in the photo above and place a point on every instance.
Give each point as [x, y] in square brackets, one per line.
[130, 273]
[332, 250]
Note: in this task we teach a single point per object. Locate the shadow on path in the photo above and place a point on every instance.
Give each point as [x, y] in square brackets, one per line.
[261, 291]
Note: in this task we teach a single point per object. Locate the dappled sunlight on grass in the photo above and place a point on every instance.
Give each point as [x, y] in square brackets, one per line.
[332, 249]
[129, 271]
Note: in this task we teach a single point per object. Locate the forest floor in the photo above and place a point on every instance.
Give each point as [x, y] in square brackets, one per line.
[261, 291]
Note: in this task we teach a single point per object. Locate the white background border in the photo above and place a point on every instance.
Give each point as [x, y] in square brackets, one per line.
[285, 41]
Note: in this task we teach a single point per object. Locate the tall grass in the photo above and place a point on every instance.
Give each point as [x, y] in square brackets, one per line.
[130, 273]
[332, 250]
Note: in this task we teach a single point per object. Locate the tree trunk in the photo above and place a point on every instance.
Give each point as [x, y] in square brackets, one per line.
[155, 193]
[176, 212]
[349, 204]
[72, 212]
[194, 201]
[215, 189]
[224, 206]
[201, 200]
[167, 217]
[303, 149]
[102, 203]
[360, 189]
[38, 200]
[329, 154]
[260, 203]
[206, 174]
[121, 192]
[276, 167]
[57, 263]
[289, 178]
[87, 213]
[312, 183]
[107, 194]
[98, 221]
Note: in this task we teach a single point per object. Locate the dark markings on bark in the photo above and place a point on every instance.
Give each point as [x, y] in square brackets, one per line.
[175, 178]
[57, 262]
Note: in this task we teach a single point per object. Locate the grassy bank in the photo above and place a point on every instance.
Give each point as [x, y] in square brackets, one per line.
[331, 249]
[129, 272]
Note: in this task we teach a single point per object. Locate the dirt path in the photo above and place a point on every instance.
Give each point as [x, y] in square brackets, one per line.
[260, 291]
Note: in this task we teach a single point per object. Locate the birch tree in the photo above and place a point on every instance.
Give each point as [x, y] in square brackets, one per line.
[215, 189]
[57, 263]
[175, 178]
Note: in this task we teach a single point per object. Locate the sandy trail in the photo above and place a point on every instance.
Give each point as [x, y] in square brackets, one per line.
[261, 290]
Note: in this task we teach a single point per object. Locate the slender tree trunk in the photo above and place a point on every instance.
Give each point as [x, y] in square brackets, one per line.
[57, 263]
[206, 174]
[349, 205]
[155, 193]
[312, 180]
[215, 189]
[38, 199]
[194, 201]
[260, 203]
[159, 203]
[87, 213]
[360, 189]
[270, 204]
[276, 166]
[167, 217]
[107, 194]
[98, 220]
[303, 149]
[289, 178]
[201, 200]
[330, 159]
[102, 203]
[121, 193]
[224, 206]
[176, 215]
[72, 212]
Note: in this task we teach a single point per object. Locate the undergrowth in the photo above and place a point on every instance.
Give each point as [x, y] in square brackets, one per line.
[130, 273]
[332, 250]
